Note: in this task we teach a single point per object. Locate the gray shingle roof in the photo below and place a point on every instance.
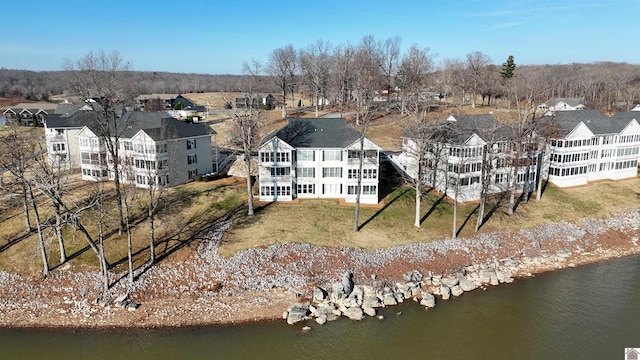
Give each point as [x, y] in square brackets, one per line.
[156, 124]
[316, 133]
[598, 123]
[569, 101]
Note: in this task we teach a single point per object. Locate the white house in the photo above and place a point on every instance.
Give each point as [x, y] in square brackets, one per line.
[154, 149]
[468, 150]
[317, 159]
[587, 146]
[562, 104]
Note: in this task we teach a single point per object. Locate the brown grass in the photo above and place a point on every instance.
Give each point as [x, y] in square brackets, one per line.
[325, 222]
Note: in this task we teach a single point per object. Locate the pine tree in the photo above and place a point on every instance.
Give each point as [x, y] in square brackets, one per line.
[508, 68]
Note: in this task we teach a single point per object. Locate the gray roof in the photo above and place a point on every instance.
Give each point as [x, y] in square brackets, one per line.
[598, 123]
[484, 125]
[569, 101]
[156, 124]
[316, 133]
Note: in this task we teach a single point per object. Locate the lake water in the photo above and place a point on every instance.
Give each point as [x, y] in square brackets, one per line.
[589, 312]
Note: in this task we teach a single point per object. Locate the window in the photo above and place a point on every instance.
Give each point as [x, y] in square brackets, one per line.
[162, 148]
[369, 190]
[306, 188]
[332, 172]
[280, 171]
[282, 157]
[191, 174]
[192, 159]
[58, 147]
[191, 144]
[266, 157]
[306, 155]
[162, 164]
[351, 189]
[335, 189]
[332, 155]
[127, 145]
[283, 190]
[306, 172]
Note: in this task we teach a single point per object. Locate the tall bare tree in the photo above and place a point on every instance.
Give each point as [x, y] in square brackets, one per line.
[247, 124]
[367, 83]
[476, 63]
[282, 66]
[342, 74]
[102, 79]
[390, 56]
[315, 64]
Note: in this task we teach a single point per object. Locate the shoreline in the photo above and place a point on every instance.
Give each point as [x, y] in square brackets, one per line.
[257, 285]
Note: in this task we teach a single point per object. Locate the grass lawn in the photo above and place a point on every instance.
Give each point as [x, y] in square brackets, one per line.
[326, 222]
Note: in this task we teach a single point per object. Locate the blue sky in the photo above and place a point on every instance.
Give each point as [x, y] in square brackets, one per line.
[216, 37]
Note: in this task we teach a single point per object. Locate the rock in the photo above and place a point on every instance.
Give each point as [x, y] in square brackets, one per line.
[445, 292]
[297, 313]
[494, 279]
[485, 276]
[347, 282]
[467, 285]
[456, 290]
[121, 298]
[337, 292]
[428, 300]
[502, 275]
[371, 301]
[403, 289]
[450, 281]
[306, 328]
[321, 320]
[369, 311]
[354, 313]
[380, 317]
[285, 315]
[319, 294]
[388, 299]
[399, 297]
[332, 317]
[133, 306]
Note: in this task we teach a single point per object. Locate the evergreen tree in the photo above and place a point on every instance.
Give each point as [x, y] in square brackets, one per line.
[508, 68]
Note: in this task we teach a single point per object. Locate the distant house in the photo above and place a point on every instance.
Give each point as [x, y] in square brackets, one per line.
[587, 146]
[155, 102]
[28, 114]
[317, 159]
[156, 150]
[260, 101]
[562, 104]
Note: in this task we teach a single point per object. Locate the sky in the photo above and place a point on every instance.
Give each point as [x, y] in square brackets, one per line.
[217, 37]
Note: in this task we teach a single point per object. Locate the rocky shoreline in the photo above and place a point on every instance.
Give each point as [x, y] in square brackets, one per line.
[259, 284]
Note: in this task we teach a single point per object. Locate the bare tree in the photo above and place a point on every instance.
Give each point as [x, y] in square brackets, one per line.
[282, 67]
[476, 63]
[366, 75]
[390, 55]
[247, 125]
[342, 74]
[315, 63]
[102, 80]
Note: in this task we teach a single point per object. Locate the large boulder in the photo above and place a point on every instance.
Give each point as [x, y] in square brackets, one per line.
[467, 285]
[445, 292]
[369, 311]
[428, 300]
[319, 294]
[456, 290]
[371, 301]
[388, 299]
[347, 283]
[297, 313]
[354, 313]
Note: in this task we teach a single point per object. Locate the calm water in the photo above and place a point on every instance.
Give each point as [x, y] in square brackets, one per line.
[590, 312]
